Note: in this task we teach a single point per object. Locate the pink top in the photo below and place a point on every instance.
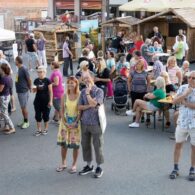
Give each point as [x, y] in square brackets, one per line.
[58, 91]
[173, 74]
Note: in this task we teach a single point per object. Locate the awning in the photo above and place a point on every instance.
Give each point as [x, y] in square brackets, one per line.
[145, 5]
[7, 35]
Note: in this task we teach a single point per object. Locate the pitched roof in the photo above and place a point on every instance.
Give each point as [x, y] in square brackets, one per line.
[185, 14]
[129, 20]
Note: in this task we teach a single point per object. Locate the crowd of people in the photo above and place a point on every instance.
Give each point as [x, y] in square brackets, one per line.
[77, 102]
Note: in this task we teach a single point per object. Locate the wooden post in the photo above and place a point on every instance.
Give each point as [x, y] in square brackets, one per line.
[105, 8]
[77, 12]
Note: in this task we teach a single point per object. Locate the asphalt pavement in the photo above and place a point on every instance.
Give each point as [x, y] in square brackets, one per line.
[137, 161]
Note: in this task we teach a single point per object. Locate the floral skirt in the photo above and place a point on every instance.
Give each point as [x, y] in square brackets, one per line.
[69, 138]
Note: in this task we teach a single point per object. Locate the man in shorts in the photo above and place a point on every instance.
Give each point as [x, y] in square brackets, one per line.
[23, 86]
[185, 124]
[32, 52]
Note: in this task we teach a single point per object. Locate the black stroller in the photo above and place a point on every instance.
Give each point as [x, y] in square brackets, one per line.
[120, 100]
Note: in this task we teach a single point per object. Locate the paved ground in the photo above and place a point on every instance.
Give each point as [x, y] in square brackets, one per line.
[137, 162]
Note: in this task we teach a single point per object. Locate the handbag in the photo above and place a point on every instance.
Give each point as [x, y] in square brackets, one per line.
[102, 118]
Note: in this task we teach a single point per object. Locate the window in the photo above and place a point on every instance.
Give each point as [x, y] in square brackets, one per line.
[174, 28]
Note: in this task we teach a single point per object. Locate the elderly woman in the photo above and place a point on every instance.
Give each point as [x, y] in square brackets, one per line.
[43, 100]
[56, 79]
[174, 71]
[69, 130]
[185, 69]
[103, 75]
[152, 105]
[84, 57]
[111, 65]
[5, 89]
[157, 67]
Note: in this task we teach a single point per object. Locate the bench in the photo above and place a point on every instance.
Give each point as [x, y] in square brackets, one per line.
[148, 113]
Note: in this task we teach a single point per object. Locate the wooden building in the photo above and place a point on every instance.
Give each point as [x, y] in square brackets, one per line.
[169, 22]
[111, 27]
[55, 35]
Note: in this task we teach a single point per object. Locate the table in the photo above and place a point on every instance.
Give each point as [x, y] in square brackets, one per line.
[165, 101]
[163, 57]
[162, 54]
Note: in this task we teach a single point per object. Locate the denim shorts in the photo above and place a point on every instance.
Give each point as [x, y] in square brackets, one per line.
[151, 107]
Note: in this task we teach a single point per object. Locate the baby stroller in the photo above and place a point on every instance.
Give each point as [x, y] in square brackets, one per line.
[120, 100]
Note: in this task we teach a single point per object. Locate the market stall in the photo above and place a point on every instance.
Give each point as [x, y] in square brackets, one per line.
[55, 34]
[169, 22]
[121, 24]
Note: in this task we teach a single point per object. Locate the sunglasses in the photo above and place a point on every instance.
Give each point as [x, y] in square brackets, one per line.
[193, 78]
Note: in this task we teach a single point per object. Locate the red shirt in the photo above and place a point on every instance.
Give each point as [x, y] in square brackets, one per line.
[138, 45]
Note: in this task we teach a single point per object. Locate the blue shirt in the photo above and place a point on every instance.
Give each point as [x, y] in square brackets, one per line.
[110, 63]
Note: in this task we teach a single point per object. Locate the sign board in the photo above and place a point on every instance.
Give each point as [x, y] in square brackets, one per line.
[88, 25]
[1, 21]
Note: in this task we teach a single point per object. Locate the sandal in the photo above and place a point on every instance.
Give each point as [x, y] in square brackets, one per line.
[61, 168]
[10, 131]
[73, 170]
[174, 174]
[191, 176]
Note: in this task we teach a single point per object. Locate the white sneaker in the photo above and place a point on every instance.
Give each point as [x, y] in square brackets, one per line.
[134, 125]
[130, 113]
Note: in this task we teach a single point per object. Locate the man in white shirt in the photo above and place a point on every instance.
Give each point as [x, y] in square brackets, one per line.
[181, 33]
[185, 124]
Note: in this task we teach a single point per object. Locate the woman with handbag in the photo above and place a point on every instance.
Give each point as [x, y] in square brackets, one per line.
[69, 129]
[111, 65]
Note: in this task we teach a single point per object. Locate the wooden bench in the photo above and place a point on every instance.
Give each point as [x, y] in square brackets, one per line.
[149, 112]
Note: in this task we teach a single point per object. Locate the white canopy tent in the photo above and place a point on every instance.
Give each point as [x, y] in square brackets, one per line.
[156, 5]
[145, 5]
[7, 35]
